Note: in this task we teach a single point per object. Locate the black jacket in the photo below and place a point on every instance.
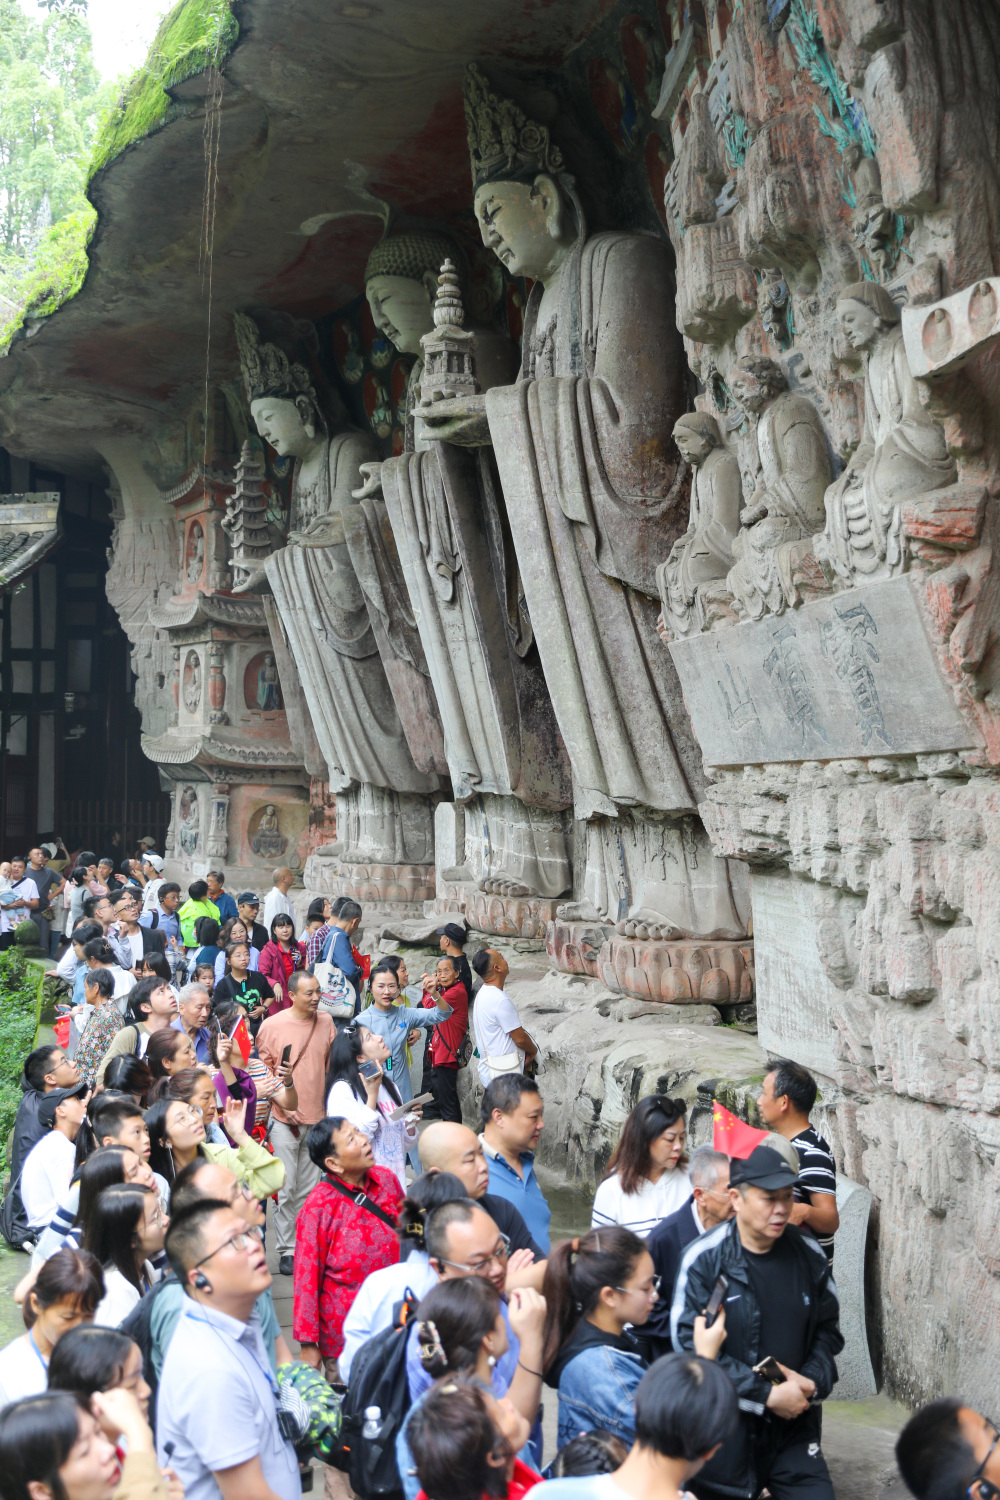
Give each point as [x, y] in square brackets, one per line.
[28, 1131]
[666, 1245]
[731, 1471]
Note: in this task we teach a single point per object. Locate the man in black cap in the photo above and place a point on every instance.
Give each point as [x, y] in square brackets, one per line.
[780, 1304]
[248, 905]
[453, 939]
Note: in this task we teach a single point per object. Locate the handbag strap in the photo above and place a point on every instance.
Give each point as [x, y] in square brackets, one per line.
[359, 1197]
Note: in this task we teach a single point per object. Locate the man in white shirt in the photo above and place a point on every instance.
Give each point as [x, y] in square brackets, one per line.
[25, 893]
[276, 903]
[48, 1167]
[152, 868]
[220, 1432]
[501, 1041]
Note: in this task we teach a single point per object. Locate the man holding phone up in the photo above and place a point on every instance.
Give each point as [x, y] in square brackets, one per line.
[306, 1034]
[782, 1334]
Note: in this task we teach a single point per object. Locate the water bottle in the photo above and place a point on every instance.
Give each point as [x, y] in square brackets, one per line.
[373, 1423]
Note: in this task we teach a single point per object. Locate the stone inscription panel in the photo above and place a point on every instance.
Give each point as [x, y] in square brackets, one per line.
[831, 680]
[796, 999]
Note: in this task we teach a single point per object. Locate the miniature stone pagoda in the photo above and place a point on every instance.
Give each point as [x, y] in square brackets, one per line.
[449, 368]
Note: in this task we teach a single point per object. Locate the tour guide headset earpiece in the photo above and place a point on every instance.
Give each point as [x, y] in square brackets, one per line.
[202, 1283]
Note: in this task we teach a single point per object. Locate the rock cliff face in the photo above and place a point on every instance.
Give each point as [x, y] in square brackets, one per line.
[833, 207]
[707, 701]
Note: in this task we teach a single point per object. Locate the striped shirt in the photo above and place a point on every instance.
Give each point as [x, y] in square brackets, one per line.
[817, 1173]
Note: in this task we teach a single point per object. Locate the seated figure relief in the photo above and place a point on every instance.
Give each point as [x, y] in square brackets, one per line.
[790, 468]
[902, 452]
[704, 553]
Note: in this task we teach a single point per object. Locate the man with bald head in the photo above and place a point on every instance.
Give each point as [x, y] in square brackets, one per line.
[445, 1147]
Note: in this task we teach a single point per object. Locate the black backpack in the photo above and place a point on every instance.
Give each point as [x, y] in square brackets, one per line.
[137, 1326]
[378, 1378]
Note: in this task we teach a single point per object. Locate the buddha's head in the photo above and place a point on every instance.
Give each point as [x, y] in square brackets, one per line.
[865, 311]
[755, 381]
[289, 427]
[526, 205]
[529, 226]
[401, 282]
[283, 400]
[696, 434]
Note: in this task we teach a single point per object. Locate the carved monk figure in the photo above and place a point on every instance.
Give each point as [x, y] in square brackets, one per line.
[902, 450]
[592, 485]
[792, 467]
[317, 593]
[705, 551]
[461, 574]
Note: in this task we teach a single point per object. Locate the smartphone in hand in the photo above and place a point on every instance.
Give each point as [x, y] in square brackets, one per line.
[286, 1053]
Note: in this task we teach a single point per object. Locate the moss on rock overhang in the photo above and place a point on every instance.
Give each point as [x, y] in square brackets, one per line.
[194, 36]
[57, 273]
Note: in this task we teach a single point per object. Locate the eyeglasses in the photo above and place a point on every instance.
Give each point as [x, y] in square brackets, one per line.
[193, 1114]
[987, 1490]
[244, 1240]
[653, 1288]
[481, 1267]
[244, 1190]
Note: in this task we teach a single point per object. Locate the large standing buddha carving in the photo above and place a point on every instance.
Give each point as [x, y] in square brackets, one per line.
[594, 489]
[383, 807]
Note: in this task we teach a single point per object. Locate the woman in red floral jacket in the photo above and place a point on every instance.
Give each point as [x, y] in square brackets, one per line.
[339, 1242]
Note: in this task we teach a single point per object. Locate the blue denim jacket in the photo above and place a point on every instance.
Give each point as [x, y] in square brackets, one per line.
[597, 1389]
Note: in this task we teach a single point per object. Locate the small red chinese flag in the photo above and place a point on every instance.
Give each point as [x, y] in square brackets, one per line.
[731, 1135]
[241, 1036]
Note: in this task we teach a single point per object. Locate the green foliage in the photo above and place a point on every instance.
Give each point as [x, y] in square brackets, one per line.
[50, 101]
[194, 36]
[20, 987]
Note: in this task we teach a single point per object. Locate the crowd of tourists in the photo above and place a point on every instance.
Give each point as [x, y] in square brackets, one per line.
[212, 1058]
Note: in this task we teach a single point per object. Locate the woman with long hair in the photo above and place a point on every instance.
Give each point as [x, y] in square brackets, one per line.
[381, 1291]
[647, 1176]
[241, 983]
[464, 1443]
[124, 1229]
[53, 1447]
[280, 959]
[170, 1052]
[595, 1288]
[369, 1102]
[106, 1165]
[66, 1292]
[177, 1137]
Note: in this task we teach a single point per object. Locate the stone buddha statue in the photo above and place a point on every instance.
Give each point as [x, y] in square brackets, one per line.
[457, 555]
[902, 452]
[704, 553]
[593, 486]
[316, 589]
[788, 472]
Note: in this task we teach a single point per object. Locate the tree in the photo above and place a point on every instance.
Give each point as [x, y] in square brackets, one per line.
[51, 101]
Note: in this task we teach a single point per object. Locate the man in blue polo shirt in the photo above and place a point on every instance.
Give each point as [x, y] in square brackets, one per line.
[219, 1428]
[512, 1112]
